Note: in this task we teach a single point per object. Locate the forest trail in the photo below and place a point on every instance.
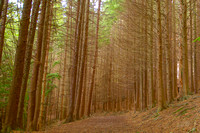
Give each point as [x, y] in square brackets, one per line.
[179, 117]
[96, 124]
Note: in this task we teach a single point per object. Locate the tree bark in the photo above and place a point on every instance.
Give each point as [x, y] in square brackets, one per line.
[75, 61]
[3, 26]
[191, 47]
[169, 49]
[95, 61]
[151, 56]
[28, 56]
[13, 100]
[195, 49]
[161, 98]
[84, 89]
[83, 61]
[36, 66]
[1, 7]
[174, 51]
[185, 45]
[45, 41]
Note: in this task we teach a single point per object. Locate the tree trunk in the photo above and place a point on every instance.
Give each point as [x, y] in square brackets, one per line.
[45, 42]
[75, 61]
[169, 49]
[95, 61]
[1, 7]
[145, 57]
[84, 89]
[65, 65]
[28, 56]
[3, 25]
[191, 46]
[174, 51]
[47, 39]
[161, 98]
[185, 46]
[36, 66]
[151, 57]
[13, 100]
[83, 61]
[195, 49]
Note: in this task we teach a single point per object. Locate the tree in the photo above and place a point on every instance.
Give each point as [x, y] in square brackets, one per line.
[12, 107]
[45, 43]
[161, 99]
[36, 66]
[95, 61]
[185, 46]
[174, 51]
[1, 6]
[83, 61]
[28, 57]
[195, 47]
[169, 49]
[3, 24]
[39, 121]
[191, 47]
[75, 61]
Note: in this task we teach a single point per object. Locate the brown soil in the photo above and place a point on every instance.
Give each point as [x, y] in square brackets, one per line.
[97, 124]
[179, 117]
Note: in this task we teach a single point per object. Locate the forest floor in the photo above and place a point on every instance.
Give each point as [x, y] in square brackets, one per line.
[179, 117]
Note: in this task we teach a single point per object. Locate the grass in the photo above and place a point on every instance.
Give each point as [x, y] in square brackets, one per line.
[178, 110]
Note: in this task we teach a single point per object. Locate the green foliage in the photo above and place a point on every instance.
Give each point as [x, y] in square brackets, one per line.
[10, 41]
[111, 10]
[50, 84]
[51, 87]
[58, 26]
[156, 115]
[179, 110]
[52, 76]
[182, 112]
[56, 63]
[5, 80]
[197, 39]
[111, 6]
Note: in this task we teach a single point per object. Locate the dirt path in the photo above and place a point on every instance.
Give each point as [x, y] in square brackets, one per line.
[179, 117]
[97, 124]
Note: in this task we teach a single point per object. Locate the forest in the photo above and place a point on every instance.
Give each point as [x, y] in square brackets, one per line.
[95, 66]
